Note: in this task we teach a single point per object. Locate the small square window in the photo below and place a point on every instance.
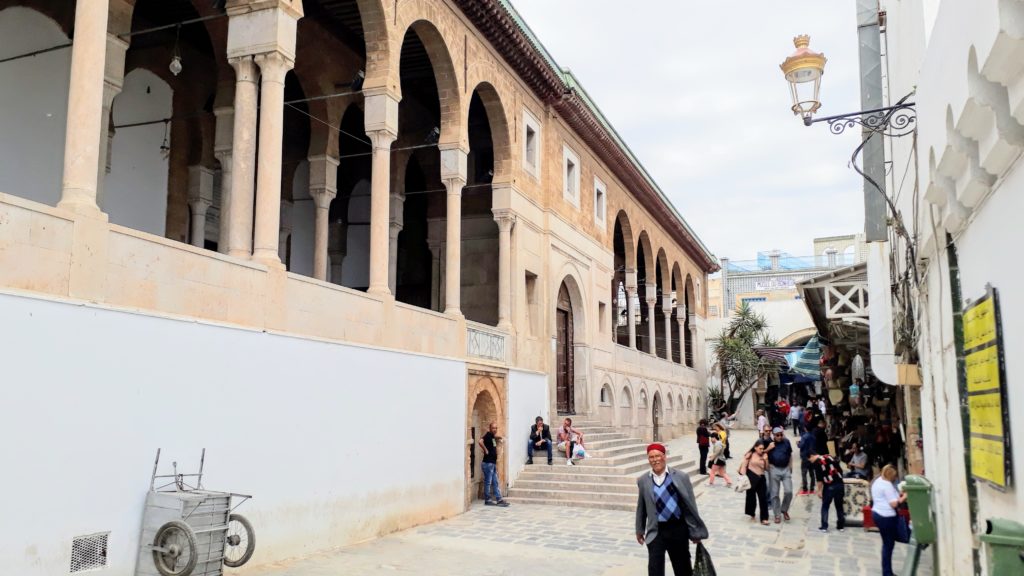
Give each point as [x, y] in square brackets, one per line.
[571, 176]
[600, 201]
[531, 144]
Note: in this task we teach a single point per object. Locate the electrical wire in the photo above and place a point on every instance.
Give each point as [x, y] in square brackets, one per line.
[36, 52]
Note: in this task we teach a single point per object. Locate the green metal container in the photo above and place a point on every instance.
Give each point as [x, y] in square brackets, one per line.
[919, 499]
[1005, 539]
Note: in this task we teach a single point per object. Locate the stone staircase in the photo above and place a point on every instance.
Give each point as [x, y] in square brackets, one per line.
[605, 479]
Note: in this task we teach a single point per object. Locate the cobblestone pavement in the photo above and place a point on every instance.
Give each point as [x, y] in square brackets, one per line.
[542, 540]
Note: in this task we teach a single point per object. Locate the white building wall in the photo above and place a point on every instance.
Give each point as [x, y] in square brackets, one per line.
[930, 43]
[33, 105]
[135, 191]
[527, 399]
[336, 443]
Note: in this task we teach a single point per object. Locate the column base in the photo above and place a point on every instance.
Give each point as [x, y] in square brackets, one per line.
[382, 291]
[268, 259]
[454, 312]
[505, 326]
[83, 208]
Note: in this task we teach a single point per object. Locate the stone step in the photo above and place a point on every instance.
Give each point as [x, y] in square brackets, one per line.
[575, 485]
[632, 448]
[574, 503]
[601, 443]
[575, 495]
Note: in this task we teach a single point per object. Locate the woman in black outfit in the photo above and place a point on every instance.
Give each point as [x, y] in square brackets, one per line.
[755, 467]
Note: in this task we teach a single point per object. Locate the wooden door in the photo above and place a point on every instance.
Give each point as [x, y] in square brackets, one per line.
[656, 414]
[564, 363]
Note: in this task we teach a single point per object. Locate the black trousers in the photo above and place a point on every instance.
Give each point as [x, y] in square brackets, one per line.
[673, 537]
[703, 459]
[757, 494]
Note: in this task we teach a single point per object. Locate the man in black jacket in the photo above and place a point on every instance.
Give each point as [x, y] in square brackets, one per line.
[540, 439]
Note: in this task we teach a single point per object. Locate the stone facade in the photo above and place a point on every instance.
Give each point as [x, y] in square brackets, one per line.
[436, 207]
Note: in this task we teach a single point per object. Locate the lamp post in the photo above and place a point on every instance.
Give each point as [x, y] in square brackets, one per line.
[803, 70]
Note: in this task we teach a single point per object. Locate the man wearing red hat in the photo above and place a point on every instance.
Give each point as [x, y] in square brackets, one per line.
[666, 515]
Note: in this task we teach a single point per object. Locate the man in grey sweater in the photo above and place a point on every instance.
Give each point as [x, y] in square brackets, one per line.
[666, 515]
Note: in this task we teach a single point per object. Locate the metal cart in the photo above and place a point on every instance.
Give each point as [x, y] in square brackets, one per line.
[190, 531]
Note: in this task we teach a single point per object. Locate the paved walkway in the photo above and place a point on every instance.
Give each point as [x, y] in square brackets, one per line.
[542, 540]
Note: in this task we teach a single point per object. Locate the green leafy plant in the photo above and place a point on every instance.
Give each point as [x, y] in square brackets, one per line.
[736, 360]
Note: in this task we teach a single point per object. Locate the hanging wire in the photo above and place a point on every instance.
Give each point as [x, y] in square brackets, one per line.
[35, 53]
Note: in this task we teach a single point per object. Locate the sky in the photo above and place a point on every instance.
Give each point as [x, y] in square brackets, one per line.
[694, 89]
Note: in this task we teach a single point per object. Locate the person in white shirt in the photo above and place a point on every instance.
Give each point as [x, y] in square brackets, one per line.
[762, 420]
[885, 499]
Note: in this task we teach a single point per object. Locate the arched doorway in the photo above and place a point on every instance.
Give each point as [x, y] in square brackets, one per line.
[656, 416]
[487, 398]
[564, 373]
[483, 413]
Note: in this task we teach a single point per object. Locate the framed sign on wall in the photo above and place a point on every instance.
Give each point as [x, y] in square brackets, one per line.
[991, 451]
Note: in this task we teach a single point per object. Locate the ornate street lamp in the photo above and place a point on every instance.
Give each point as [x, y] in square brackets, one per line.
[804, 69]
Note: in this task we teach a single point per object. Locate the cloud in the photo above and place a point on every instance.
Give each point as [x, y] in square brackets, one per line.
[695, 90]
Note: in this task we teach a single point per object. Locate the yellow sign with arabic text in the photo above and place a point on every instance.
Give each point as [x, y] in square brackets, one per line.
[980, 324]
[988, 461]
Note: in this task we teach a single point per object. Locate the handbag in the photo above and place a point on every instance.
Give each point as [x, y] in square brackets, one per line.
[902, 530]
[742, 483]
[702, 565]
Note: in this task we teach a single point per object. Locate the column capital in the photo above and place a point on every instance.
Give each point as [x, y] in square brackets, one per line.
[631, 289]
[382, 139]
[322, 197]
[506, 219]
[245, 68]
[199, 205]
[666, 307]
[651, 300]
[200, 184]
[274, 66]
[224, 132]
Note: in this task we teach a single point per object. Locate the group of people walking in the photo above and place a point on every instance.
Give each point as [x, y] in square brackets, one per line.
[667, 519]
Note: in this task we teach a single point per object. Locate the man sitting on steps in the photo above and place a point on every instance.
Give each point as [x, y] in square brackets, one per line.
[540, 439]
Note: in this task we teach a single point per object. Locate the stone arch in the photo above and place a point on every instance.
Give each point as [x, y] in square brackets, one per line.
[656, 416]
[449, 93]
[676, 285]
[33, 89]
[644, 242]
[381, 71]
[486, 403]
[689, 408]
[688, 328]
[798, 338]
[624, 273]
[646, 283]
[574, 366]
[625, 405]
[497, 117]
[135, 188]
[606, 401]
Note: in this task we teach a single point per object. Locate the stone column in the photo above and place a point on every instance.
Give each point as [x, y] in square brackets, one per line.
[631, 314]
[652, 299]
[681, 318]
[84, 128]
[284, 230]
[323, 178]
[224, 131]
[666, 308]
[259, 33]
[506, 221]
[454, 164]
[273, 68]
[113, 83]
[381, 119]
[395, 224]
[200, 198]
[243, 159]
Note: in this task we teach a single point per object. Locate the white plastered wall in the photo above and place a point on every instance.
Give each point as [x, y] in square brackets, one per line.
[33, 106]
[527, 399]
[336, 443]
[135, 190]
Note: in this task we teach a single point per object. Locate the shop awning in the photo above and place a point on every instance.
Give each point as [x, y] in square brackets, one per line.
[806, 362]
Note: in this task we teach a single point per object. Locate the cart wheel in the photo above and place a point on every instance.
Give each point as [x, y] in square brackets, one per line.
[240, 541]
[176, 554]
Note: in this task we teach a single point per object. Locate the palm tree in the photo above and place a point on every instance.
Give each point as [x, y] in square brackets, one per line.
[735, 358]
